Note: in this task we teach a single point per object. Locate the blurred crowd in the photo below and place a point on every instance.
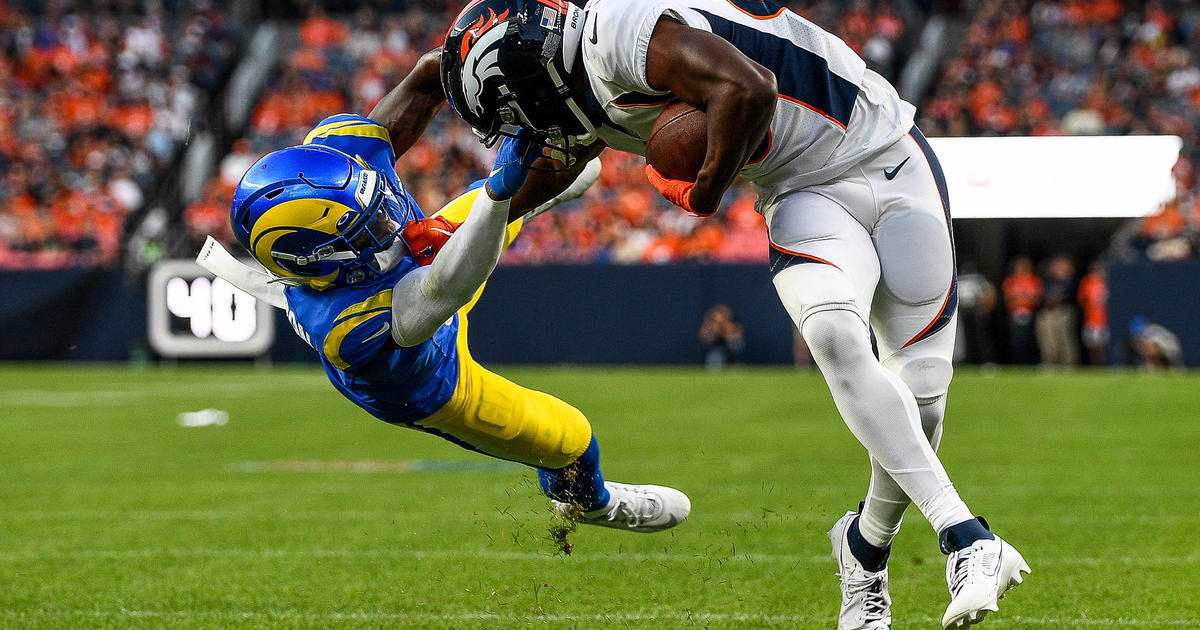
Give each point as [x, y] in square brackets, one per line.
[95, 102]
[1084, 67]
[348, 65]
[1054, 315]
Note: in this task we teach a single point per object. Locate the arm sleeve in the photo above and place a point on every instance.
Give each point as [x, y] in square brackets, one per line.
[426, 297]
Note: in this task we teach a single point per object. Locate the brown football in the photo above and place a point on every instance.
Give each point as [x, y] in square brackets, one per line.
[678, 141]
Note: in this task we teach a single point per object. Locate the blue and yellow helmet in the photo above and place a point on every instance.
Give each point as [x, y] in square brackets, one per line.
[317, 216]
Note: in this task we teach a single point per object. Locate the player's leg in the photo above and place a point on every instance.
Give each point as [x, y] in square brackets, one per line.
[826, 271]
[914, 321]
[491, 414]
[913, 310]
[828, 288]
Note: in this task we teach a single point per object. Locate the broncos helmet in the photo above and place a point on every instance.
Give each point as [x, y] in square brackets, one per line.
[315, 216]
[505, 66]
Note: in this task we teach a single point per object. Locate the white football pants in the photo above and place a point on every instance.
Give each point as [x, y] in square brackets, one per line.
[873, 251]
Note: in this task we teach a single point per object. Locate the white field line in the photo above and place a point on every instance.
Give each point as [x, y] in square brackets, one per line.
[714, 555]
[119, 394]
[730, 520]
[626, 617]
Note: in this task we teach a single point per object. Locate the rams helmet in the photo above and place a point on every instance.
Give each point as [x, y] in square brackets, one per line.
[313, 215]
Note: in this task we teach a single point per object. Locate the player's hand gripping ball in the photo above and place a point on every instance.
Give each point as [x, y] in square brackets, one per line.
[425, 237]
[675, 152]
[678, 142]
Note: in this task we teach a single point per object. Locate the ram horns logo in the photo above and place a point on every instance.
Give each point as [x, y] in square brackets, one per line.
[481, 64]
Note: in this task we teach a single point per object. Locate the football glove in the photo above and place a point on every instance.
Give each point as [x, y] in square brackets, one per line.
[674, 190]
[425, 237]
[511, 166]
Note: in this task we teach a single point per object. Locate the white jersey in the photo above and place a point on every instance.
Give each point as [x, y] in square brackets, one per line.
[832, 111]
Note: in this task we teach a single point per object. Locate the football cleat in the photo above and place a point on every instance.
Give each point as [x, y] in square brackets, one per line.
[978, 576]
[866, 604]
[635, 508]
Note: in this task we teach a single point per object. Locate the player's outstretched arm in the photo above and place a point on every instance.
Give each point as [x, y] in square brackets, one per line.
[544, 185]
[426, 297]
[407, 110]
[736, 93]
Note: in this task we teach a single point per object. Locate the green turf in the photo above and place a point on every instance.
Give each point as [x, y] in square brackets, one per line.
[112, 516]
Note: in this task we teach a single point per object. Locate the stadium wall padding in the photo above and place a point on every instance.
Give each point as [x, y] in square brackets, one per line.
[75, 314]
[540, 315]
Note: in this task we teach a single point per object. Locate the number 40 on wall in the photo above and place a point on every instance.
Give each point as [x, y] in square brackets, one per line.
[193, 314]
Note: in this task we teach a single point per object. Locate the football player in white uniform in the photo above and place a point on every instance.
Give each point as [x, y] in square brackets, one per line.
[855, 204]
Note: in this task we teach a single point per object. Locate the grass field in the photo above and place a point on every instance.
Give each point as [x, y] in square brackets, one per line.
[302, 512]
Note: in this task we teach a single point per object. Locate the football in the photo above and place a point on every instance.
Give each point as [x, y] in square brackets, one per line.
[678, 141]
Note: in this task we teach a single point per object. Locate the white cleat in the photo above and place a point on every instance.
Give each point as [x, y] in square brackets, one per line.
[635, 508]
[978, 577]
[866, 604]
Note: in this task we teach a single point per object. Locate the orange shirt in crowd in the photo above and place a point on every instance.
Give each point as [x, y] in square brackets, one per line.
[1093, 300]
[1022, 293]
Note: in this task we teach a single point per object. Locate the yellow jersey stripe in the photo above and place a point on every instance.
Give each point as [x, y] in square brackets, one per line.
[383, 299]
[353, 128]
[348, 320]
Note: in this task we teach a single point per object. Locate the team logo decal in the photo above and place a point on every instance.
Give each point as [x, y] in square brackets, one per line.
[481, 64]
[477, 30]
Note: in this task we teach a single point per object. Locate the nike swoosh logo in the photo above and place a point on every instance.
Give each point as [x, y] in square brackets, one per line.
[890, 173]
[382, 329]
[593, 37]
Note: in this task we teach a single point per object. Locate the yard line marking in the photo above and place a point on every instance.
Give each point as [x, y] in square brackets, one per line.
[124, 554]
[684, 615]
[726, 520]
[116, 394]
[713, 555]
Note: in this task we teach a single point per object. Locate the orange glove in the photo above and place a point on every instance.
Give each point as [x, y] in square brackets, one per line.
[425, 237]
[674, 190]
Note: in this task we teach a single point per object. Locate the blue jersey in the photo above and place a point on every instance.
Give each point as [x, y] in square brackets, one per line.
[350, 326]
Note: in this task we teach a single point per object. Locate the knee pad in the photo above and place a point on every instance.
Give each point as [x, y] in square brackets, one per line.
[835, 334]
[927, 377]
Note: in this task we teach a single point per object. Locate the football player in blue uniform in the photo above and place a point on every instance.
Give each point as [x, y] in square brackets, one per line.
[854, 201]
[381, 292]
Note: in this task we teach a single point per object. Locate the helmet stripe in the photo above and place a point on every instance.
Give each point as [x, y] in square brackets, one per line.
[349, 128]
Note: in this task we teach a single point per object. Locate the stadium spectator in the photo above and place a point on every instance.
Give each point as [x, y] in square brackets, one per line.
[1093, 303]
[237, 162]
[1022, 296]
[1056, 322]
[95, 102]
[1084, 67]
[350, 64]
[976, 304]
[723, 337]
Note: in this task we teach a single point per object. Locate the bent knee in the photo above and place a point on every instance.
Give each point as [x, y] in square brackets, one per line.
[836, 335]
[927, 377]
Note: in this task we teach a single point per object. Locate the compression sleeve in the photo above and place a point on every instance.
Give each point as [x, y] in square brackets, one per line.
[428, 296]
